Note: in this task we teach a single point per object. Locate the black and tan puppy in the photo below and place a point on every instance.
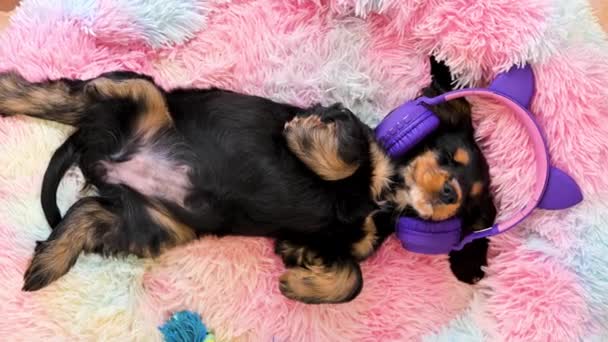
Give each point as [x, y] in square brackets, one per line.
[169, 167]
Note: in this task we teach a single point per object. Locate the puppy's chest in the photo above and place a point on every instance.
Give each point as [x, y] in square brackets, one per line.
[152, 173]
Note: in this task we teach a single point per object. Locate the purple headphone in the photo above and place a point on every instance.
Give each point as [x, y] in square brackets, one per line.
[408, 124]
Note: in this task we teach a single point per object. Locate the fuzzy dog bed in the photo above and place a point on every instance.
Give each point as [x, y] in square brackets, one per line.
[547, 279]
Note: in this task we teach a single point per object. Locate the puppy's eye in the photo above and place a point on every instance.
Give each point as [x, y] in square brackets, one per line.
[445, 158]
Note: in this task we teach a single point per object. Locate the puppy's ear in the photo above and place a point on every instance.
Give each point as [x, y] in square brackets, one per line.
[441, 75]
[455, 113]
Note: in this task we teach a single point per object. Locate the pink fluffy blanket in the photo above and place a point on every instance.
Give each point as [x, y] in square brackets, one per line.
[547, 279]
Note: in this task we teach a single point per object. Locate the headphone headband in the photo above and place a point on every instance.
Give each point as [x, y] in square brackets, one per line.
[410, 123]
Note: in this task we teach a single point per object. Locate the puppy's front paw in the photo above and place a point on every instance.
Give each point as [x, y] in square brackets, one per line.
[467, 263]
[468, 273]
[303, 123]
[337, 112]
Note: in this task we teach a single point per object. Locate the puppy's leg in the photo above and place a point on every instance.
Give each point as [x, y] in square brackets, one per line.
[152, 112]
[59, 100]
[314, 279]
[66, 101]
[331, 146]
[374, 229]
[140, 229]
[78, 232]
[371, 238]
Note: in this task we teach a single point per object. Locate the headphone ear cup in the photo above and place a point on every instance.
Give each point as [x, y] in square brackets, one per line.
[428, 237]
[404, 127]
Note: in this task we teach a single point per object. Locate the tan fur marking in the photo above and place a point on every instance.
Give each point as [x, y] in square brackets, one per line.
[366, 246]
[17, 105]
[477, 188]
[316, 144]
[320, 284]
[156, 115]
[10, 82]
[444, 211]
[382, 170]
[179, 232]
[461, 156]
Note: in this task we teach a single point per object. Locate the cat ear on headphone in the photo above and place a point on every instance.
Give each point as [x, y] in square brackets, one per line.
[561, 191]
[517, 83]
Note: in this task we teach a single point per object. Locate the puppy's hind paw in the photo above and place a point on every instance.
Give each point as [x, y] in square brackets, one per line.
[45, 267]
[36, 277]
[12, 88]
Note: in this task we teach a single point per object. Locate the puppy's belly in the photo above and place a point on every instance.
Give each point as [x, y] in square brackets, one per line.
[152, 174]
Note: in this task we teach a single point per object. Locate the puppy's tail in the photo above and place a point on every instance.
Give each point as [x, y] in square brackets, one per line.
[63, 158]
[59, 100]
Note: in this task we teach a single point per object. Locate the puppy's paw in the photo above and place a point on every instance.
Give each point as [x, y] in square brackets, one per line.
[467, 263]
[299, 284]
[39, 274]
[49, 263]
[304, 123]
[95, 88]
[286, 282]
[469, 273]
[317, 283]
[11, 81]
[308, 134]
[336, 112]
[12, 86]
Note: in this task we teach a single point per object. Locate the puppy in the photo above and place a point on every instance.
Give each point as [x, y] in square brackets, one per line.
[171, 166]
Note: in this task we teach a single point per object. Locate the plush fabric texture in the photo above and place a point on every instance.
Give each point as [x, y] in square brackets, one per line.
[547, 279]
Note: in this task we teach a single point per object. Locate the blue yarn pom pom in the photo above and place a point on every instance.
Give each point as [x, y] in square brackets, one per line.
[184, 326]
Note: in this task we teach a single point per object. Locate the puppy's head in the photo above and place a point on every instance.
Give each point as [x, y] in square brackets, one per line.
[446, 175]
[441, 178]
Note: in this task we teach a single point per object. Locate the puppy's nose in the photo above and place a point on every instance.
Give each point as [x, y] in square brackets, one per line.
[448, 194]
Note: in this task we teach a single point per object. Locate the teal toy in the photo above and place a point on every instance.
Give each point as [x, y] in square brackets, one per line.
[186, 326]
